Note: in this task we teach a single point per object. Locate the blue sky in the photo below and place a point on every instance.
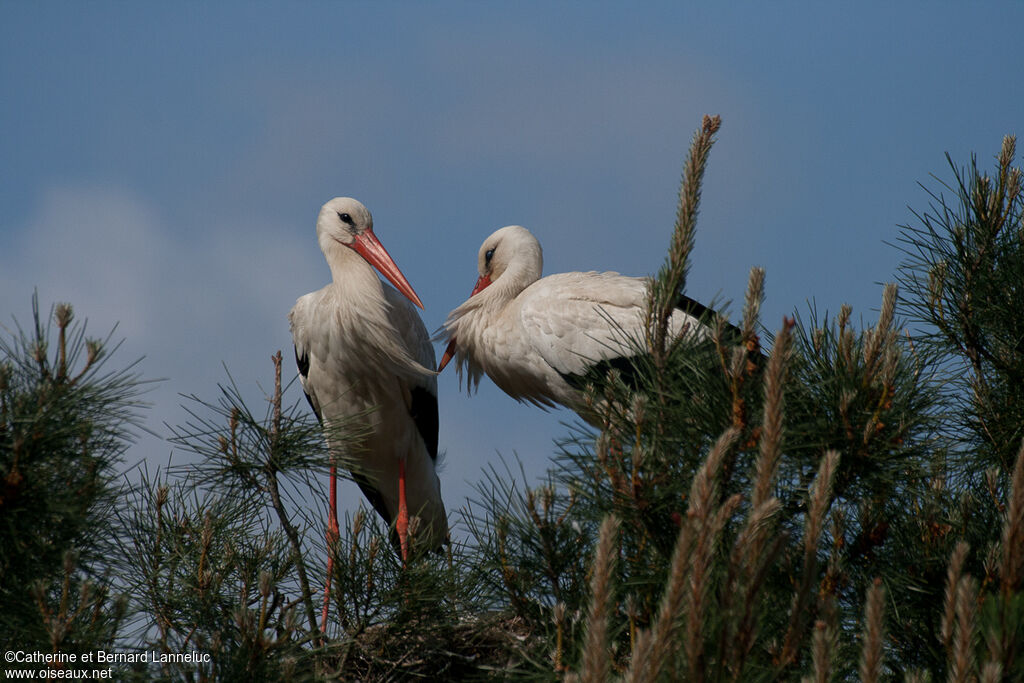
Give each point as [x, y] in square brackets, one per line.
[163, 163]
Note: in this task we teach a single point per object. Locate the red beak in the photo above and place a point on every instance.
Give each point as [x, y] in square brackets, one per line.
[481, 283]
[370, 248]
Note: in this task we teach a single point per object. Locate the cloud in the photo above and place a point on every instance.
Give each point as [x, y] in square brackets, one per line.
[110, 253]
[97, 248]
[188, 300]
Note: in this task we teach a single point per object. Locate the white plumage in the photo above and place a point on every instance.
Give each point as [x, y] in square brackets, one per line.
[534, 337]
[364, 354]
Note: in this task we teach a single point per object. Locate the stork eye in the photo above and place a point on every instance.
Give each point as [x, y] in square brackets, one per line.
[488, 256]
[345, 218]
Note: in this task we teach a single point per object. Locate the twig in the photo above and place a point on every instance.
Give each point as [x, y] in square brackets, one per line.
[282, 515]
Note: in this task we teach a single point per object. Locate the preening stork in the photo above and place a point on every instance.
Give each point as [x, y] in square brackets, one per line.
[364, 354]
[538, 338]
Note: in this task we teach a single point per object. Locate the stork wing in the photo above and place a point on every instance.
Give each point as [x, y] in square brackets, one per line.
[421, 399]
[576, 320]
[302, 361]
[298, 319]
[585, 322]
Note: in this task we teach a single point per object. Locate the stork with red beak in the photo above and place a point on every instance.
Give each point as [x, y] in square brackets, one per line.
[538, 338]
[365, 360]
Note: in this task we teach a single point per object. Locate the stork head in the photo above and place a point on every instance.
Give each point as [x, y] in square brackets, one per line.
[512, 257]
[343, 219]
[512, 250]
[346, 222]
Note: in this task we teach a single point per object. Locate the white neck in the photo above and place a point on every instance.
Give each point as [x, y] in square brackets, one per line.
[519, 275]
[352, 273]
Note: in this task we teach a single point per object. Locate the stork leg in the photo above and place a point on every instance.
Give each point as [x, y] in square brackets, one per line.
[332, 540]
[402, 522]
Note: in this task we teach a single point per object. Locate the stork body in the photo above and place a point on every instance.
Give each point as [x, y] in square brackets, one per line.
[537, 338]
[365, 362]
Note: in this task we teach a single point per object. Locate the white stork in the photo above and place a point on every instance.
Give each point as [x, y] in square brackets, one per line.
[537, 338]
[364, 354]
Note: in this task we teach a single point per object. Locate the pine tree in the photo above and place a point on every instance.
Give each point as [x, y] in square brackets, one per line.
[65, 423]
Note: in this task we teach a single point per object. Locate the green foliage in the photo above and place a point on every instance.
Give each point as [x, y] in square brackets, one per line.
[65, 423]
[208, 574]
[225, 557]
[964, 281]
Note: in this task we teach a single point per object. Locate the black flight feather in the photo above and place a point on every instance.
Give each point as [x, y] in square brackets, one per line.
[424, 413]
[626, 367]
[302, 360]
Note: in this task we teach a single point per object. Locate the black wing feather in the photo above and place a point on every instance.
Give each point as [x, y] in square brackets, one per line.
[626, 367]
[302, 360]
[703, 313]
[424, 413]
[596, 372]
[372, 495]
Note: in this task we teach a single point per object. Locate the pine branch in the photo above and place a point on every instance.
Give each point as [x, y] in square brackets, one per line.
[656, 646]
[774, 403]
[752, 304]
[799, 613]
[65, 425]
[596, 658]
[961, 653]
[871, 652]
[270, 471]
[752, 556]
[671, 279]
[1011, 571]
[956, 564]
[823, 652]
[687, 583]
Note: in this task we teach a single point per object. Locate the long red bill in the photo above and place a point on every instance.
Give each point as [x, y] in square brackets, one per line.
[481, 283]
[449, 353]
[370, 248]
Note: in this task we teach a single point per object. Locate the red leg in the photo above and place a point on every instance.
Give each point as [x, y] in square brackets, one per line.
[402, 523]
[332, 539]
